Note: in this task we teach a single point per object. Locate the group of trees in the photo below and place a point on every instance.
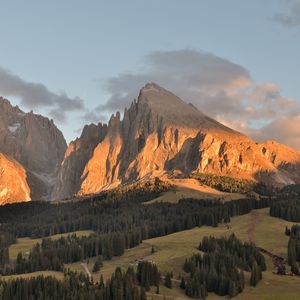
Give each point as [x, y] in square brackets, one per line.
[220, 268]
[294, 248]
[105, 216]
[287, 209]
[233, 185]
[148, 275]
[53, 254]
[121, 286]
[5, 240]
[98, 264]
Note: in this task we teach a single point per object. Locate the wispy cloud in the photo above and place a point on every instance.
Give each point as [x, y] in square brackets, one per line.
[290, 18]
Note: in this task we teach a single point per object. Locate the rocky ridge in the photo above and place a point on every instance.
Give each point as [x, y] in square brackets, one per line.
[158, 134]
[35, 143]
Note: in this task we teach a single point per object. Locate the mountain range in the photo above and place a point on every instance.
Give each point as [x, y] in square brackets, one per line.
[158, 134]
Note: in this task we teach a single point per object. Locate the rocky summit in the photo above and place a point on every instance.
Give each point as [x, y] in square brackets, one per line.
[158, 134]
[34, 145]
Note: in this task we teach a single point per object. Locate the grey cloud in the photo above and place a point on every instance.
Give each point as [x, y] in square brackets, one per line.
[216, 86]
[36, 95]
[292, 17]
[193, 75]
[285, 129]
[91, 116]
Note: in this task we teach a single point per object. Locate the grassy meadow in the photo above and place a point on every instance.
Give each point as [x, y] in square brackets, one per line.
[171, 250]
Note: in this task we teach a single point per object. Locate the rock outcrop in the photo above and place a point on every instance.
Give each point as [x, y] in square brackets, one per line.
[35, 143]
[160, 133]
[78, 153]
[13, 183]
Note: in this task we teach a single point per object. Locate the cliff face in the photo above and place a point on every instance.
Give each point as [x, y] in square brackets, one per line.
[35, 143]
[161, 133]
[76, 157]
[13, 184]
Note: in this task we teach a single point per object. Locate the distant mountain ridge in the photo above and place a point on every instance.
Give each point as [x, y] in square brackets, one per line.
[158, 134]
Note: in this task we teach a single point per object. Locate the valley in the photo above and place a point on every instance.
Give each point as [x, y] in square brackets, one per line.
[172, 250]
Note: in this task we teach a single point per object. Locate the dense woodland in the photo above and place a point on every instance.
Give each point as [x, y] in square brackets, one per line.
[294, 248]
[287, 209]
[118, 225]
[233, 185]
[127, 285]
[53, 254]
[220, 268]
[6, 240]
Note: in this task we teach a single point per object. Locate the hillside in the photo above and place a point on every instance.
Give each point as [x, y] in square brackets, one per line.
[171, 251]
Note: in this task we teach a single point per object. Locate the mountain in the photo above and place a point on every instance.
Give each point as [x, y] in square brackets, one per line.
[160, 133]
[32, 149]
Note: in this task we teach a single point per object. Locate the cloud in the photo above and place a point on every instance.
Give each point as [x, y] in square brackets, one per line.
[189, 73]
[216, 86]
[284, 129]
[36, 95]
[292, 17]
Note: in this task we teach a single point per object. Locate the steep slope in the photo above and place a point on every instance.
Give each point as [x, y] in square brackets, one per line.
[15, 190]
[161, 133]
[35, 143]
[76, 156]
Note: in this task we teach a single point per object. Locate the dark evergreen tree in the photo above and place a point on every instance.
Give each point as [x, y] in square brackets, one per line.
[182, 283]
[168, 280]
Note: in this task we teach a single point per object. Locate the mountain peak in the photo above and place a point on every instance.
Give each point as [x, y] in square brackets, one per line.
[173, 110]
[6, 106]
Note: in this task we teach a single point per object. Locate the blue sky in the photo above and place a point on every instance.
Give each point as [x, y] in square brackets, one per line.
[78, 48]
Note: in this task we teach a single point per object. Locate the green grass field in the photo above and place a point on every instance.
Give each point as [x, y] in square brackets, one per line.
[56, 274]
[258, 226]
[170, 252]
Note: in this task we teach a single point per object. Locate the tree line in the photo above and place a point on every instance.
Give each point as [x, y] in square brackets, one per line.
[6, 240]
[123, 285]
[233, 185]
[287, 209]
[220, 268]
[53, 254]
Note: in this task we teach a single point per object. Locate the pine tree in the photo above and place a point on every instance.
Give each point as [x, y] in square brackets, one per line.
[152, 249]
[101, 285]
[233, 291]
[182, 284]
[98, 264]
[189, 288]
[168, 280]
[254, 275]
[295, 269]
[157, 289]
[143, 294]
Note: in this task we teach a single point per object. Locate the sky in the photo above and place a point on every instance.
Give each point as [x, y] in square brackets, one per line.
[80, 61]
